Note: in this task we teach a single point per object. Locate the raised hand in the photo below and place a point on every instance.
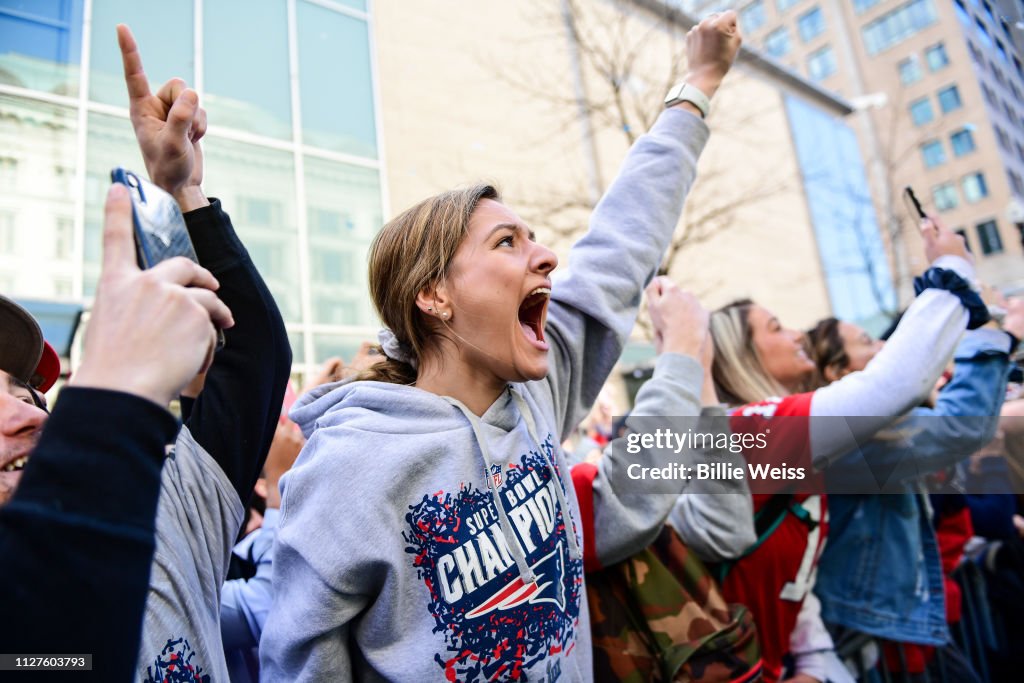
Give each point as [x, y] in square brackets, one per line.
[151, 331]
[711, 49]
[941, 241]
[680, 322]
[168, 127]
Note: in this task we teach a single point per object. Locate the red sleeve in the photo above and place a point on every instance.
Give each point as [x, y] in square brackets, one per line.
[784, 443]
[583, 476]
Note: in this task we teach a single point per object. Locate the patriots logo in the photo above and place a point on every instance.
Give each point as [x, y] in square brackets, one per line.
[494, 624]
[547, 588]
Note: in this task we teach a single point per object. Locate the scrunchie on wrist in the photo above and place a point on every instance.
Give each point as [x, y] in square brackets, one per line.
[940, 278]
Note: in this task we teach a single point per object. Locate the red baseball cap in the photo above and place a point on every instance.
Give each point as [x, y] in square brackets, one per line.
[24, 354]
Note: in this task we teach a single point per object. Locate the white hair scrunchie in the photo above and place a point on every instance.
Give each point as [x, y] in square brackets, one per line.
[396, 349]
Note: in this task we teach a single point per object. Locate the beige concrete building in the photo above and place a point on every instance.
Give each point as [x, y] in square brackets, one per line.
[939, 84]
[461, 101]
[347, 111]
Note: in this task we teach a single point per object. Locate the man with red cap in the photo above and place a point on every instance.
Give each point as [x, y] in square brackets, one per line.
[28, 367]
[77, 536]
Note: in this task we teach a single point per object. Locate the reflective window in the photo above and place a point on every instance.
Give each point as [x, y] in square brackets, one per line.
[936, 57]
[354, 4]
[1017, 184]
[1003, 138]
[990, 96]
[988, 235]
[257, 188]
[975, 188]
[164, 33]
[345, 346]
[37, 153]
[945, 196]
[910, 70]
[777, 42]
[337, 103]
[41, 44]
[860, 6]
[963, 142]
[1001, 49]
[343, 216]
[298, 347]
[961, 12]
[949, 99]
[821, 63]
[784, 5]
[110, 143]
[752, 17]
[921, 111]
[933, 154]
[976, 55]
[811, 24]
[8, 233]
[246, 81]
[898, 25]
[983, 35]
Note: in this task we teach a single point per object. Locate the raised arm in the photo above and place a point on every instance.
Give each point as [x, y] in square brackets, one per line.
[594, 307]
[964, 419]
[906, 369]
[77, 538]
[621, 514]
[246, 382]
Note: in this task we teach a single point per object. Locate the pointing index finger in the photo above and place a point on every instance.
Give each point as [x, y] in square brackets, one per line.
[134, 76]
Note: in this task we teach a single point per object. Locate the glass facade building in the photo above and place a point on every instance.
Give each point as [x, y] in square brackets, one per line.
[293, 148]
[849, 242]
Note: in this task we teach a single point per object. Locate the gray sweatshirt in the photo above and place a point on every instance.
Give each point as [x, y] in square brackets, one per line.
[198, 515]
[419, 542]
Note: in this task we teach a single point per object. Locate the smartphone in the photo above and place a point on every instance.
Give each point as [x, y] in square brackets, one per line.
[160, 231]
[913, 205]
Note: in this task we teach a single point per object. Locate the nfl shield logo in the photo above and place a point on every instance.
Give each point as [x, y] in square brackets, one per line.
[496, 475]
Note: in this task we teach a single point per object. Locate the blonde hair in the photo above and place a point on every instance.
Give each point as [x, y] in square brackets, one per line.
[411, 253]
[737, 370]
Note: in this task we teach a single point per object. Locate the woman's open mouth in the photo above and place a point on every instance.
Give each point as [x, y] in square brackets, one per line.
[532, 314]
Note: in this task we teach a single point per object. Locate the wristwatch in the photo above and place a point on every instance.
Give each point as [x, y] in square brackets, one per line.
[684, 92]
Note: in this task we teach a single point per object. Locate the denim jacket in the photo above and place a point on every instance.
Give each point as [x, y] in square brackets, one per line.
[880, 571]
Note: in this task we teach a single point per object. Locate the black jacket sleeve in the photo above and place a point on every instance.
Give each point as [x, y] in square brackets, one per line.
[77, 537]
[234, 417]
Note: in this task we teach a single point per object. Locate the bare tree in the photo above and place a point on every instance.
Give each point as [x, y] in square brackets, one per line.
[625, 58]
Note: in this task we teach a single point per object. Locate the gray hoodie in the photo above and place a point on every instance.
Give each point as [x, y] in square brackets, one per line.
[418, 542]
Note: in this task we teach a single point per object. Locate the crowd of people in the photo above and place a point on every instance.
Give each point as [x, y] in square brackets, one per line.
[422, 513]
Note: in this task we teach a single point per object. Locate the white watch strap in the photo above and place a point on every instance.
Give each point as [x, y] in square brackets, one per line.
[684, 92]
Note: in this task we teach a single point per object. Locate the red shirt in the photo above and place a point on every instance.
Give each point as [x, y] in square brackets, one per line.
[773, 580]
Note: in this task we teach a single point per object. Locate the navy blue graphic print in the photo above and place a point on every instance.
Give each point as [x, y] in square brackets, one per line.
[495, 625]
[176, 665]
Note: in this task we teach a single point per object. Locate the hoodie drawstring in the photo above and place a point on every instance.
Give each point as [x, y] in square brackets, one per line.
[531, 427]
[513, 545]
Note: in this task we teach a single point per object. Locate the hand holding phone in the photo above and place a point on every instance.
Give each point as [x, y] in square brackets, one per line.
[159, 226]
